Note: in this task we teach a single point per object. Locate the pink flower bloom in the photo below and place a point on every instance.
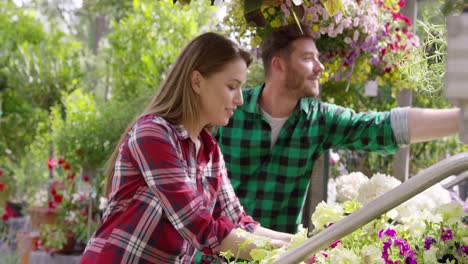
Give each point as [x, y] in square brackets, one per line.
[51, 163]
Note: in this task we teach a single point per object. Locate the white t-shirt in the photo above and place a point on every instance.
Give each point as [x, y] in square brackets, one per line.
[276, 123]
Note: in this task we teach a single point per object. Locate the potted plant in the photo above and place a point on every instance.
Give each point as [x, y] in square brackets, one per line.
[62, 213]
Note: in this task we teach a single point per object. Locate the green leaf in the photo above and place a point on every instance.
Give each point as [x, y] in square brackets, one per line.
[333, 6]
[258, 254]
[252, 5]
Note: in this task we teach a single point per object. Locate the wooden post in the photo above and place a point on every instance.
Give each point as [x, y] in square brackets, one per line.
[405, 98]
[317, 191]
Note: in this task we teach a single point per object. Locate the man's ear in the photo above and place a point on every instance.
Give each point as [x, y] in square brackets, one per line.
[196, 79]
[277, 64]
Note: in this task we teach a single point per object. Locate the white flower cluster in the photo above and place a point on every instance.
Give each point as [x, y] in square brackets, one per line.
[325, 214]
[429, 200]
[40, 198]
[358, 186]
[347, 186]
[377, 185]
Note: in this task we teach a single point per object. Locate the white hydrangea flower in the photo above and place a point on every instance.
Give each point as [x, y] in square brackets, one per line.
[325, 214]
[347, 186]
[298, 238]
[415, 226]
[375, 187]
[451, 213]
[429, 199]
[371, 254]
[342, 255]
[331, 191]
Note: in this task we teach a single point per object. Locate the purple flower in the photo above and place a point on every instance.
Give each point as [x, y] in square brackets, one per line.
[401, 243]
[428, 241]
[446, 234]
[387, 231]
[405, 249]
[465, 249]
[386, 246]
[334, 245]
[410, 257]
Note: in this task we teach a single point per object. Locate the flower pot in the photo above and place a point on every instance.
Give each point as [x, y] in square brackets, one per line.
[67, 249]
[26, 242]
[41, 216]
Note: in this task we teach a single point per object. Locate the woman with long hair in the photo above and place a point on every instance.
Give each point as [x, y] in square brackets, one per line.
[169, 194]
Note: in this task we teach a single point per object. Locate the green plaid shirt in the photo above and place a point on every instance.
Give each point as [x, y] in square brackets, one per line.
[271, 183]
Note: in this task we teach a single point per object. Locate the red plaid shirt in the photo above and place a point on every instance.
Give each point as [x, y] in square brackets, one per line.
[165, 203]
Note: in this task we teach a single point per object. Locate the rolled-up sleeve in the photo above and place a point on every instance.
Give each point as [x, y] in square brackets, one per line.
[369, 131]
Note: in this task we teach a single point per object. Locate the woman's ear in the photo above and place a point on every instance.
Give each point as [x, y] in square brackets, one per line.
[196, 80]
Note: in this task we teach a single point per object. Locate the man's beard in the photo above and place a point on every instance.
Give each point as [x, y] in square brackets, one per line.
[296, 85]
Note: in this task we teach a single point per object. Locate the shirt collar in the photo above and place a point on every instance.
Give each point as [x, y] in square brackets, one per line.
[179, 130]
[252, 105]
[182, 133]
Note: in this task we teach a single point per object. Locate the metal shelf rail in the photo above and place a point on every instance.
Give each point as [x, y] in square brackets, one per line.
[459, 179]
[451, 166]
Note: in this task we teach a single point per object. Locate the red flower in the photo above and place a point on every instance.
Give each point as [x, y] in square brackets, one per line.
[61, 161]
[66, 166]
[1, 173]
[58, 198]
[2, 187]
[70, 176]
[53, 184]
[10, 212]
[383, 52]
[37, 245]
[51, 163]
[51, 205]
[5, 217]
[86, 178]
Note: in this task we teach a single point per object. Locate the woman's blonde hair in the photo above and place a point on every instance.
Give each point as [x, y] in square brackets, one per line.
[175, 100]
